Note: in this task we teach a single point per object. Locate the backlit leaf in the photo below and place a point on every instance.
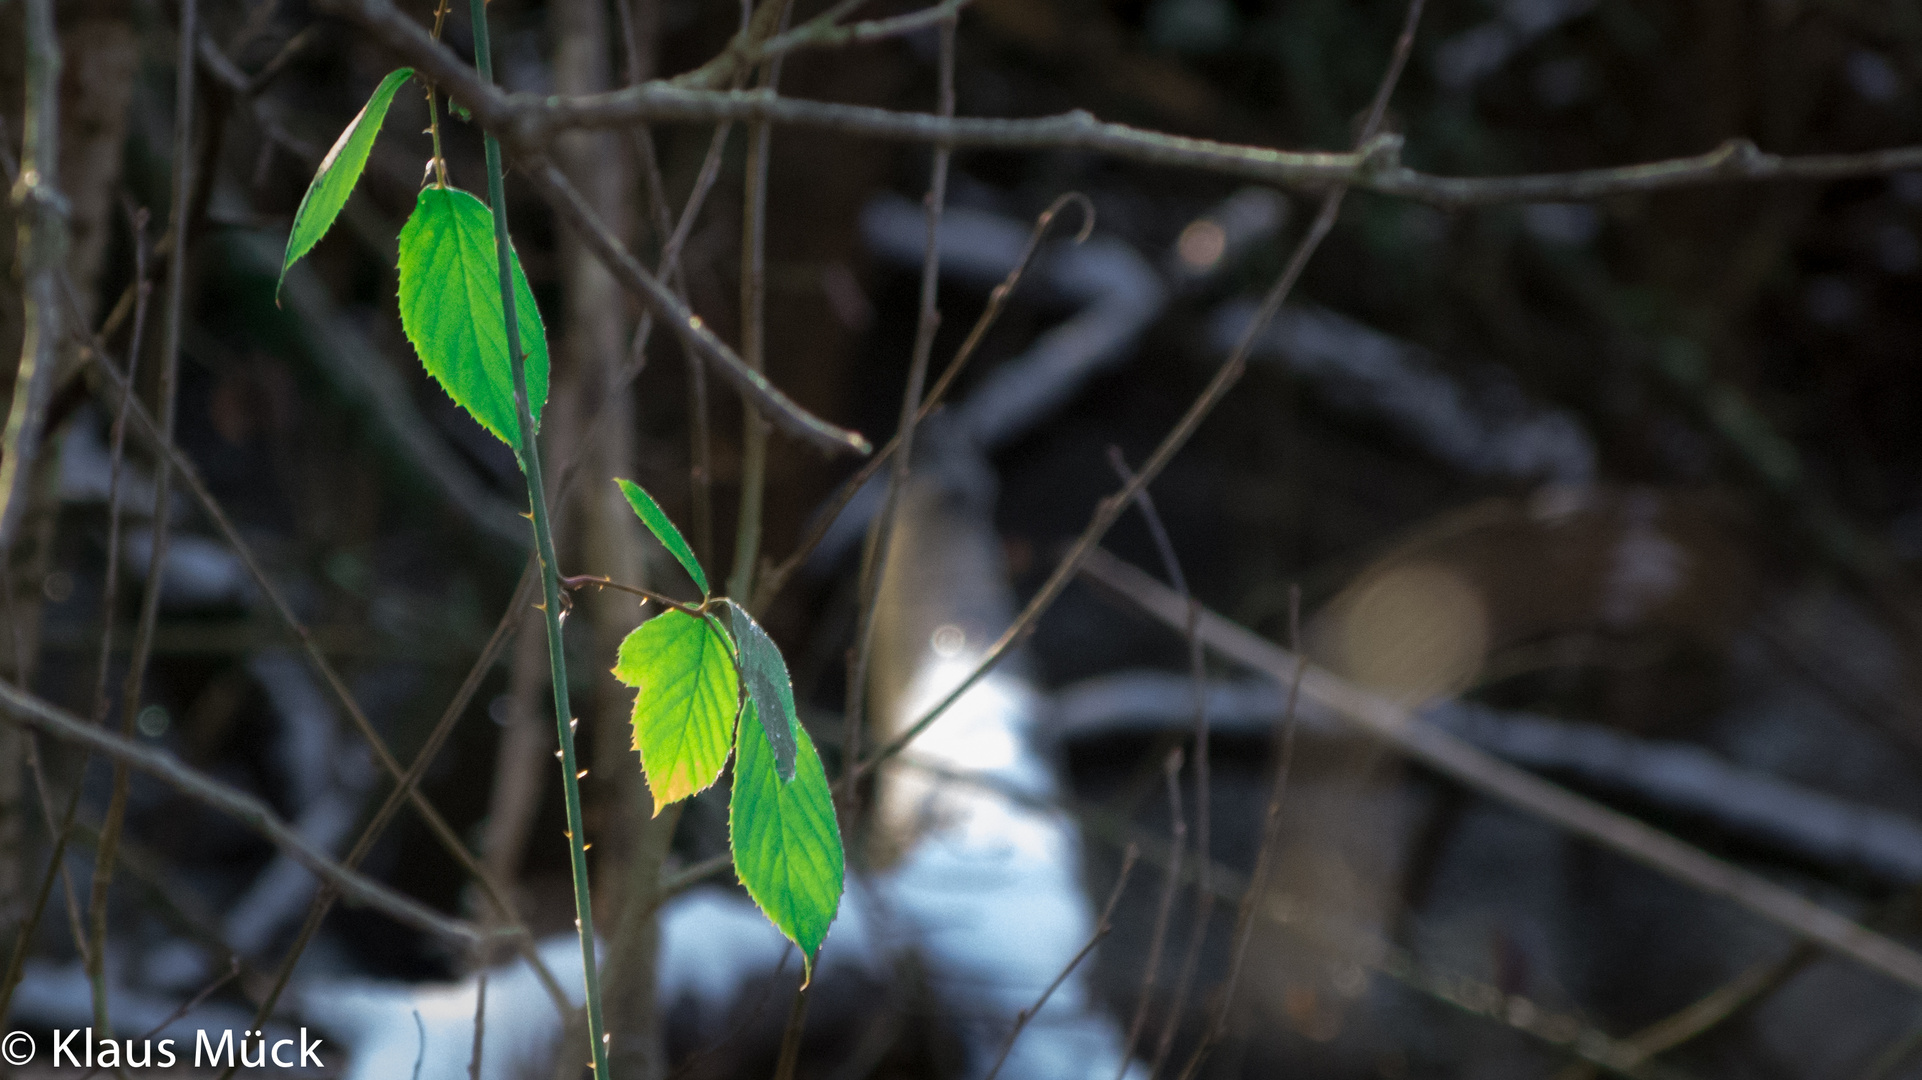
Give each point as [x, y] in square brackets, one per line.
[338, 173]
[689, 694]
[450, 308]
[787, 845]
[657, 523]
[767, 686]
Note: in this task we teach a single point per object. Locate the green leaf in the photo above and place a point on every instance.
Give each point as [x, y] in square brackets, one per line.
[689, 695]
[787, 846]
[339, 172]
[450, 308]
[767, 686]
[657, 523]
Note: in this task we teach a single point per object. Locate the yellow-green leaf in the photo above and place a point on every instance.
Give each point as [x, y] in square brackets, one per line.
[689, 695]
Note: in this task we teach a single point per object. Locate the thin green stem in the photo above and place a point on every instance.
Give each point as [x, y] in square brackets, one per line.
[433, 104]
[530, 458]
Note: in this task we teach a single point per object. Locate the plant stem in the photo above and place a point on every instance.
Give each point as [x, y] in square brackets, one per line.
[433, 105]
[530, 459]
[754, 431]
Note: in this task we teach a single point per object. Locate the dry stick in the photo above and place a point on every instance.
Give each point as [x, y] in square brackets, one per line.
[822, 31]
[1110, 508]
[1704, 1013]
[1478, 999]
[442, 831]
[42, 251]
[324, 899]
[1164, 909]
[173, 313]
[1204, 814]
[790, 1055]
[746, 1017]
[672, 310]
[700, 448]
[640, 64]
[110, 596]
[232, 973]
[880, 537]
[1396, 725]
[776, 406]
[866, 32]
[1100, 931]
[1270, 839]
[528, 120]
[480, 1027]
[772, 582]
[760, 137]
[35, 712]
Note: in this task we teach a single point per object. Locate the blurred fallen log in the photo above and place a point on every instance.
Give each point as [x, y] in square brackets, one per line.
[1118, 293]
[1484, 427]
[1449, 755]
[1690, 780]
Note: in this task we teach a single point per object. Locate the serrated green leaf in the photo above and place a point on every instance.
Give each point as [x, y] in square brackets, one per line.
[657, 523]
[338, 173]
[768, 686]
[787, 845]
[689, 695]
[450, 308]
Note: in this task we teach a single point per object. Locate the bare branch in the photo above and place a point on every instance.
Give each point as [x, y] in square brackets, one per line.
[777, 407]
[1396, 725]
[24, 708]
[526, 121]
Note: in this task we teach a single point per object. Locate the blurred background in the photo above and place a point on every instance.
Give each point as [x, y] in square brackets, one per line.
[1627, 492]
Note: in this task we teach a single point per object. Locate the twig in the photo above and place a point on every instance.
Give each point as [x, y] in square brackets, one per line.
[773, 581]
[249, 811]
[1478, 999]
[880, 536]
[1270, 838]
[686, 878]
[1204, 813]
[171, 327]
[232, 973]
[692, 1062]
[404, 790]
[1101, 929]
[1164, 909]
[797, 1015]
[529, 120]
[480, 1026]
[672, 310]
[1394, 724]
[109, 602]
[581, 581]
[118, 395]
[760, 142]
[1110, 509]
[421, 1056]
[42, 252]
[1704, 1013]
